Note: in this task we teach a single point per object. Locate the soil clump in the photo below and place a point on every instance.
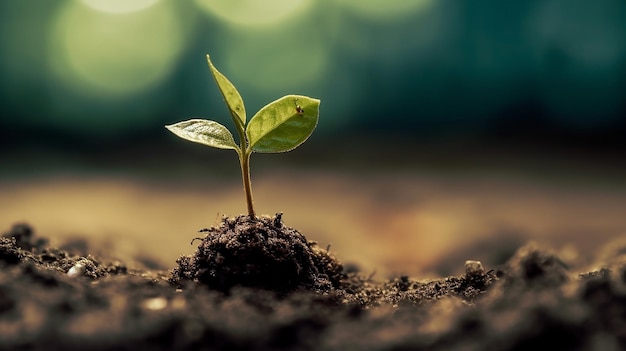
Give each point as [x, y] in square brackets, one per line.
[261, 253]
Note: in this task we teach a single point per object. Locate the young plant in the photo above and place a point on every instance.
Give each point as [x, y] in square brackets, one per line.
[280, 126]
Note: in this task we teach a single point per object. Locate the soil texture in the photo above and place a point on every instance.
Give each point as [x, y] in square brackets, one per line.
[256, 284]
[259, 253]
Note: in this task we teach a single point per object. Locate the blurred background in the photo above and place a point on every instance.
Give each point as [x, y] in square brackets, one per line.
[448, 130]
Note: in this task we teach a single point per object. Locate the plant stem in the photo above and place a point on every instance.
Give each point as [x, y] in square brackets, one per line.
[244, 159]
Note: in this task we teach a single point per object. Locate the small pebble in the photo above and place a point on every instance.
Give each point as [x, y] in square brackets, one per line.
[76, 270]
[474, 268]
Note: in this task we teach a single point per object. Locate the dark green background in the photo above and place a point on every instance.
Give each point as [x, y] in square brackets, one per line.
[524, 72]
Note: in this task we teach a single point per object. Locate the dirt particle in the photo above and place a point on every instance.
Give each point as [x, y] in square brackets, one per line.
[531, 265]
[9, 252]
[474, 268]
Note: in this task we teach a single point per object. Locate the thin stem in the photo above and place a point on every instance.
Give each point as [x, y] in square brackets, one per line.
[244, 159]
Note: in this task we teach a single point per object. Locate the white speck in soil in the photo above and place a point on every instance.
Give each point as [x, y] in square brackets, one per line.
[77, 270]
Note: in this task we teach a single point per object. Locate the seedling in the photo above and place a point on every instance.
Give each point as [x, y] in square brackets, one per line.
[280, 126]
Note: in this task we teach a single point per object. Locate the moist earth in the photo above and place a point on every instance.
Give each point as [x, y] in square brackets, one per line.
[262, 253]
[256, 284]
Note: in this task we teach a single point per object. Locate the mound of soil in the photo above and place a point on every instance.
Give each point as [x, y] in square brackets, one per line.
[260, 253]
[259, 285]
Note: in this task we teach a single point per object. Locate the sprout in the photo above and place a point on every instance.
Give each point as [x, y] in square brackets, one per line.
[280, 126]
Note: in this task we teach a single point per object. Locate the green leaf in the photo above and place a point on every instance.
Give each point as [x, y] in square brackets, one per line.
[231, 96]
[282, 125]
[205, 132]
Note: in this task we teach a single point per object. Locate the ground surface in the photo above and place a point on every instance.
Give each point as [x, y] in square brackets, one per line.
[52, 298]
[401, 228]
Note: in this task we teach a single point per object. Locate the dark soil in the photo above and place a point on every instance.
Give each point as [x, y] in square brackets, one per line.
[259, 253]
[260, 285]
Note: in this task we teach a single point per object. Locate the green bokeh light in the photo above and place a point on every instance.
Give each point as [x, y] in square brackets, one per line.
[253, 12]
[119, 6]
[115, 54]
